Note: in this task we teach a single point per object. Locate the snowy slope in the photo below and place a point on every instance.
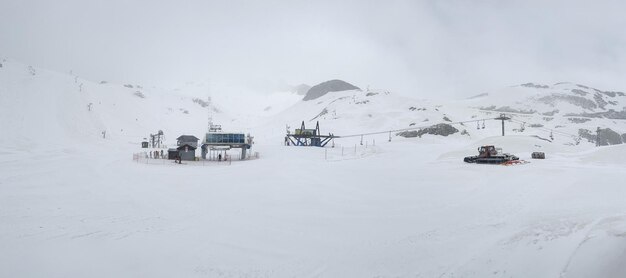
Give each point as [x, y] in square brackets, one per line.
[564, 113]
[351, 112]
[42, 107]
[73, 204]
[564, 108]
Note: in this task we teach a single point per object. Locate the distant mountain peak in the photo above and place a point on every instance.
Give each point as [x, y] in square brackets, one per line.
[301, 89]
[323, 88]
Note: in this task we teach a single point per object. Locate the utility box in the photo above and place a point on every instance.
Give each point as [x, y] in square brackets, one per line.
[538, 155]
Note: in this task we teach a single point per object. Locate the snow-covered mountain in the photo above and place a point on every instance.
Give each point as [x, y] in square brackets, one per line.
[565, 108]
[74, 204]
[43, 107]
[67, 108]
[563, 113]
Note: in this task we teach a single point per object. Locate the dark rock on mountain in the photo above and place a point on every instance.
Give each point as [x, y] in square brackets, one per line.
[578, 120]
[575, 100]
[478, 96]
[508, 109]
[585, 133]
[607, 136]
[439, 129]
[327, 87]
[533, 85]
[604, 137]
[551, 113]
[611, 114]
[201, 102]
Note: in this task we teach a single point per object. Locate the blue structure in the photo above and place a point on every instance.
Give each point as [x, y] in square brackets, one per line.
[308, 137]
[222, 141]
[224, 138]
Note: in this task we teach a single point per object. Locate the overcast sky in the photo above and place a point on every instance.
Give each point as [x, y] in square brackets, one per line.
[421, 48]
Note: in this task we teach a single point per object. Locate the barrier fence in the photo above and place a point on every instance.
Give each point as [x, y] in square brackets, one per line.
[346, 152]
[144, 158]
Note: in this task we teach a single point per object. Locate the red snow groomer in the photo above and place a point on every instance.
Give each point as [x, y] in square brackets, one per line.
[491, 155]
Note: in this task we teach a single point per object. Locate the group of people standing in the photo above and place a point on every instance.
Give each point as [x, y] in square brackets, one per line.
[157, 154]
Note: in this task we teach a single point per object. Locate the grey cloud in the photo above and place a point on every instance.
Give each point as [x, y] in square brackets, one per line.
[420, 48]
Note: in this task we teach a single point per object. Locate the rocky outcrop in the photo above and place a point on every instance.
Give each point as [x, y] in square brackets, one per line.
[611, 114]
[575, 100]
[579, 92]
[607, 136]
[327, 87]
[439, 129]
[508, 109]
[324, 112]
[586, 134]
[578, 120]
[613, 94]
[201, 102]
[550, 113]
[600, 100]
[139, 94]
[478, 96]
[603, 136]
[533, 85]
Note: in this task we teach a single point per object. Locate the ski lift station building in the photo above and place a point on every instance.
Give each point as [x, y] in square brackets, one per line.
[222, 141]
[187, 145]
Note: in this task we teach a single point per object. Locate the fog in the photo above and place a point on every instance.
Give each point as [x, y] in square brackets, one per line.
[432, 49]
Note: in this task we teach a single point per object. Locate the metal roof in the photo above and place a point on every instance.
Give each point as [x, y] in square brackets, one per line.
[187, 137]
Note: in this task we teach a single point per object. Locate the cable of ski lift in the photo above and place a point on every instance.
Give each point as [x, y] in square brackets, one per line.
[552, 132]
[409, 129]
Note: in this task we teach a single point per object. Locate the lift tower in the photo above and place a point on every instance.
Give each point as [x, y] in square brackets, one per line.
[503, 117]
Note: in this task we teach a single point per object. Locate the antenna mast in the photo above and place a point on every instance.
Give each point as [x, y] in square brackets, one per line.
[211, 126]
[210, 116]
